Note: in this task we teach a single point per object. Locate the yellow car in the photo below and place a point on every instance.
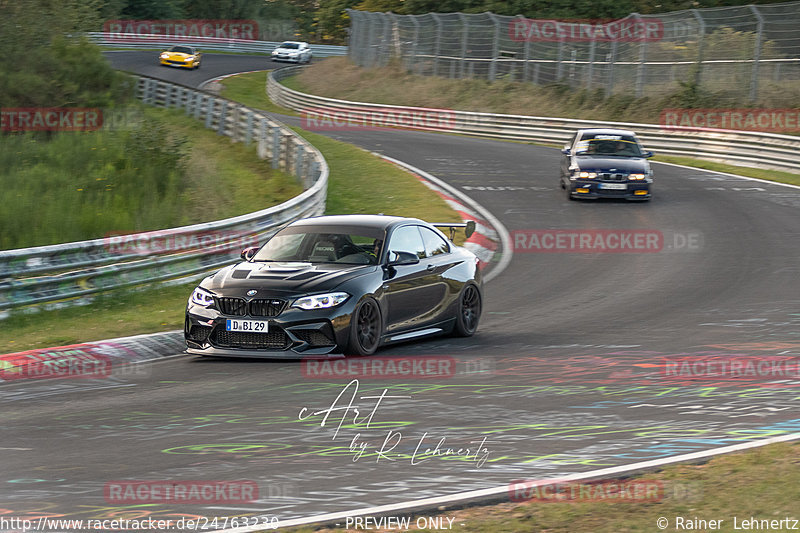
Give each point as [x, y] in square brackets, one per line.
[181, 56]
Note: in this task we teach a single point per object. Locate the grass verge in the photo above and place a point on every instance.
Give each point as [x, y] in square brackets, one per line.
[250, 89]
[760, 483]
[159, 170]
[359, 182]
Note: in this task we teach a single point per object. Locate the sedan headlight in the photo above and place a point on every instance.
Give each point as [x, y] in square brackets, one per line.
[321, 301]
[164, 55]
[202, 297]
[636, 176]
[588, 175]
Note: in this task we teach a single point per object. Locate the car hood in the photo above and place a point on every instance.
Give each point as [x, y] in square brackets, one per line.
[289, 278]
[629, 165]
[285, 50]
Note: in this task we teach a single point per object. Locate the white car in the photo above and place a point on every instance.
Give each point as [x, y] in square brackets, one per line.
[293, 52]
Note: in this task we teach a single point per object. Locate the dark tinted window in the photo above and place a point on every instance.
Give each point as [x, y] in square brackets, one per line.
[407, 239]
[434, 244]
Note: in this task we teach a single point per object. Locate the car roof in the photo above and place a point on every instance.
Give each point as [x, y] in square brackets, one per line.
[294, 42]
[606, 131]
[384, 222]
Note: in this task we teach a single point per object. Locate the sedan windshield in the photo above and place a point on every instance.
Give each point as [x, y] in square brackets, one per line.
[290, 46]
[608, 145]
[182, 50]
[312, 244]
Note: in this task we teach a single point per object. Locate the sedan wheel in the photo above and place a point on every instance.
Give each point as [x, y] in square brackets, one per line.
[365, 328]
[469, 311]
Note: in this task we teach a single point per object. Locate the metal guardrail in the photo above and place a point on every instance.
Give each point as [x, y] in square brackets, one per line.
[66, 272]
[745, 148]
[205, 44]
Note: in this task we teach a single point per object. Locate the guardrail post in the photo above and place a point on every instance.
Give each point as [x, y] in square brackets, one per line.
[223, 115]
[210, 103]
[756, 53]
[248, 132]
[276, 147]
[263, 138]
[199, 99]
[299, 155]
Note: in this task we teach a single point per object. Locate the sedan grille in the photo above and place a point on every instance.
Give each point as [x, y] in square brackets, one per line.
[233, 306]
[607, 176]
[266, 307]
[275, 339]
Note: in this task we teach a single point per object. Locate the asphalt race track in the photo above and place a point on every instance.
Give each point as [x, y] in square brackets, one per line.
[571, 369]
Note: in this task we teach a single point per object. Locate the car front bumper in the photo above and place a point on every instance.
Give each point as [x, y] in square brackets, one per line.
[633, 190]
[293, 334]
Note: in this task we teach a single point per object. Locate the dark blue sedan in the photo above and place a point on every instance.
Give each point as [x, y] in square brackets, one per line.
[606, 163]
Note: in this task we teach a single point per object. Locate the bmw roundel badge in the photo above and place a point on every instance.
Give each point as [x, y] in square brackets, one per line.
[252, 292]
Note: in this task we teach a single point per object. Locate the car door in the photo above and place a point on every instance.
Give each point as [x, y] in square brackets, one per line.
[411, 292]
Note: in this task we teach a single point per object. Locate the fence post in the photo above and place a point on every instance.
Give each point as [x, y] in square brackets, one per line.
[573, 56]
[495, 48]
[590, 66]
[701, 45]
[611, 60]
[757, 53]
[410, 65]
[436, 47]
[526, 57]
[464, 34]
[386, 41]
[640, 71]
[560, 60]
[371, 40]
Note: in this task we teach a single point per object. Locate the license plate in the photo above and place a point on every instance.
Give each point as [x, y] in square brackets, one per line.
[614, 186]
[256, 326]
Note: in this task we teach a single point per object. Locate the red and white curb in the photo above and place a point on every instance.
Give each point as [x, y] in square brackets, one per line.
[491, 241]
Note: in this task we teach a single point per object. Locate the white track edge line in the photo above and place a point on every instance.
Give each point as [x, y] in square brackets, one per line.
[497, 491]
[505, 237]
[768, 182]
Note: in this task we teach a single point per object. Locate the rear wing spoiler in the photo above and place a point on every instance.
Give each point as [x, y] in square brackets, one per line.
[469, 227]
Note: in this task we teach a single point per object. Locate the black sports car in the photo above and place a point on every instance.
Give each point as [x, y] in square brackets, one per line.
[606, 163]
[347, 283]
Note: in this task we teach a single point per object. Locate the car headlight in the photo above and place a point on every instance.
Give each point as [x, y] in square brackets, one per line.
[164, 55]
[636, 177]
[190, 58]
[321, 301]
[202, 297]
[588, 175]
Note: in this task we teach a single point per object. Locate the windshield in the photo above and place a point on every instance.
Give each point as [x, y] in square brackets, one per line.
[314, 244]
[181, 50]
[290, 46]
[609, 145]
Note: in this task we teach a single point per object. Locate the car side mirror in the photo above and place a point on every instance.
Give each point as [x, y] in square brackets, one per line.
[648, 154]
[566, 150]
[249, 253]
[403, 258]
